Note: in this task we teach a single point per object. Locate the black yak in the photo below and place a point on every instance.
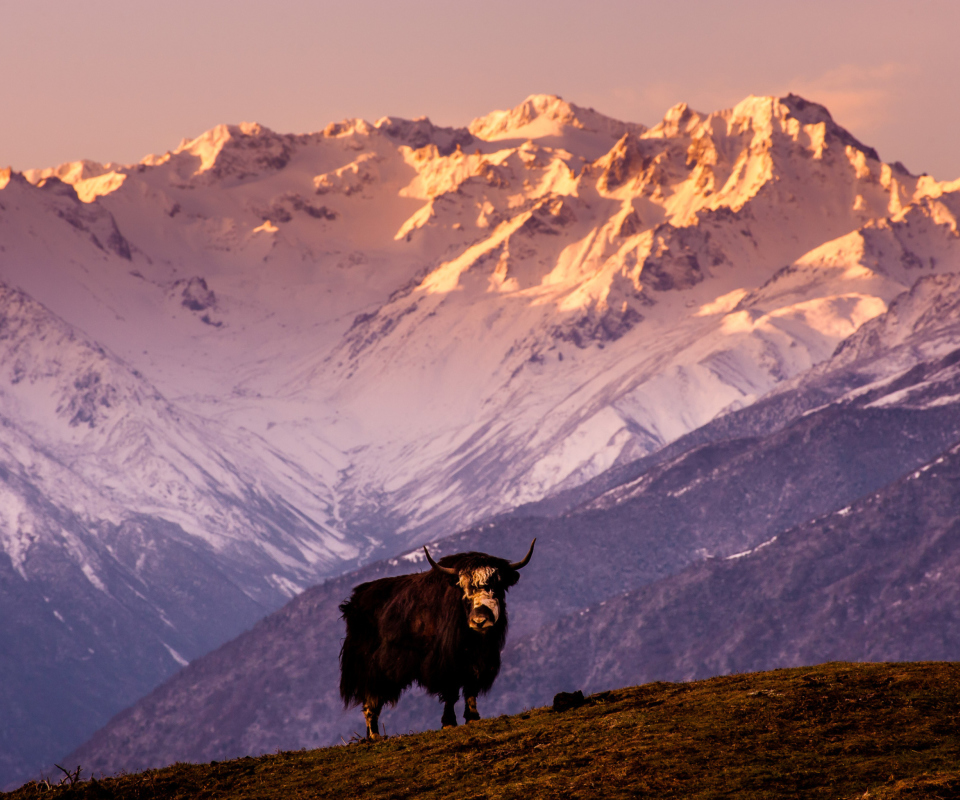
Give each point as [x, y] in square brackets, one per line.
[443, 629]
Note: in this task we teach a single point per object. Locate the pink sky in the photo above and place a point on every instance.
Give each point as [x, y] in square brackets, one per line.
[114, 80]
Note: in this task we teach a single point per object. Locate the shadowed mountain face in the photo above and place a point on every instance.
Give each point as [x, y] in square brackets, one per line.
[874, 581]
[789, 542]
[259, 360]
[89, 650]
[132, 535]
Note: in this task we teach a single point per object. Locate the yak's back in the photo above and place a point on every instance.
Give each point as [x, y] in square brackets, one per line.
[376, 611]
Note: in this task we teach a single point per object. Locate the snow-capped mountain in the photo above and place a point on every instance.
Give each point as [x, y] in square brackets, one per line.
[444, 323]
[654, 274]
[276, 355]
[120, 448]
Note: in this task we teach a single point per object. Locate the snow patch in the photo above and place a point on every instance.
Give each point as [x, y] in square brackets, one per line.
[285, 585]
[751, 551]
[175, 655]
[723, 304]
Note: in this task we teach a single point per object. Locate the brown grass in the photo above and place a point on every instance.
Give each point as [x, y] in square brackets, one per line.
[834, 731]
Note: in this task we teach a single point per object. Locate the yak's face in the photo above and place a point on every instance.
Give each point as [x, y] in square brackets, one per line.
[484, 581]
[483, 597]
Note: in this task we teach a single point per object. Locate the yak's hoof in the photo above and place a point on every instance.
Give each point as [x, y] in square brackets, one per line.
[373, 737]
[448, 723]
[469, 716]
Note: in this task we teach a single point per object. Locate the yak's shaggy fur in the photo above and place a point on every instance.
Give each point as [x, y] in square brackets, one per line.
[414, 629]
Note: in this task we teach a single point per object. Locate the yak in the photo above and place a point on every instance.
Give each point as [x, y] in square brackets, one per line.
[442, 629]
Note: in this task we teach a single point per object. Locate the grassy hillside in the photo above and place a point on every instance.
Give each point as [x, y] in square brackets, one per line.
[837, 730]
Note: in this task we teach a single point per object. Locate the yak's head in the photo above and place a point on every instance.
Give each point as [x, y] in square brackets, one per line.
[484, 581]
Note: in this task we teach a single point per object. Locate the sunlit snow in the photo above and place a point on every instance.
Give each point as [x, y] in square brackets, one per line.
[271, 340]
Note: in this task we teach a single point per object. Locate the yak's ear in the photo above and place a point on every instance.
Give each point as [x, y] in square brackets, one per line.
[508, 577]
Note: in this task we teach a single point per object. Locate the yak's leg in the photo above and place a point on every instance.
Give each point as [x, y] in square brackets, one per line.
[470, 713]
[371, 713]
[449, 718]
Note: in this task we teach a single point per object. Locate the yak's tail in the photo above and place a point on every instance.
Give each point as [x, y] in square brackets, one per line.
[353, 655]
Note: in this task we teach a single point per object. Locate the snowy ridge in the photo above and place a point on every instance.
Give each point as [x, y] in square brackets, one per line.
[571, 265]
[117, 448]
[544, 115]
[928, 313]
[456, 321]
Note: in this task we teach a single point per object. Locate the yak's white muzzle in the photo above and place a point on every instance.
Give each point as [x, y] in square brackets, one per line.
[485, 606]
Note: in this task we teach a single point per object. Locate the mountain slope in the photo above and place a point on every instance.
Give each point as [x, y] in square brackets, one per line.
[874, 581]
[668, 526]
[134, 537]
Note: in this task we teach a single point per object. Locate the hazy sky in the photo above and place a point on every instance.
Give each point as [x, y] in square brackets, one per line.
[114, 80]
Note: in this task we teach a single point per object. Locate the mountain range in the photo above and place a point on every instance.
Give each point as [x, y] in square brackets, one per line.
[260, 362]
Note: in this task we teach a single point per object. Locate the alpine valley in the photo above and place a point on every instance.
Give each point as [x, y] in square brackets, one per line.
[712, 365]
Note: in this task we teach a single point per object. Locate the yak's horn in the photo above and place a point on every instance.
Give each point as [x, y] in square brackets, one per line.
[526, 558]
[435, 565]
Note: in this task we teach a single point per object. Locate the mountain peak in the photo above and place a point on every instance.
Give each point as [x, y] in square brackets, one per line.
[71, 172]
[766, 113]
[763, 117]
[678, 119]
[89, 179]
[547, 115]
[231, 150]
[210, 145]
[809, 113]
[421, 131]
